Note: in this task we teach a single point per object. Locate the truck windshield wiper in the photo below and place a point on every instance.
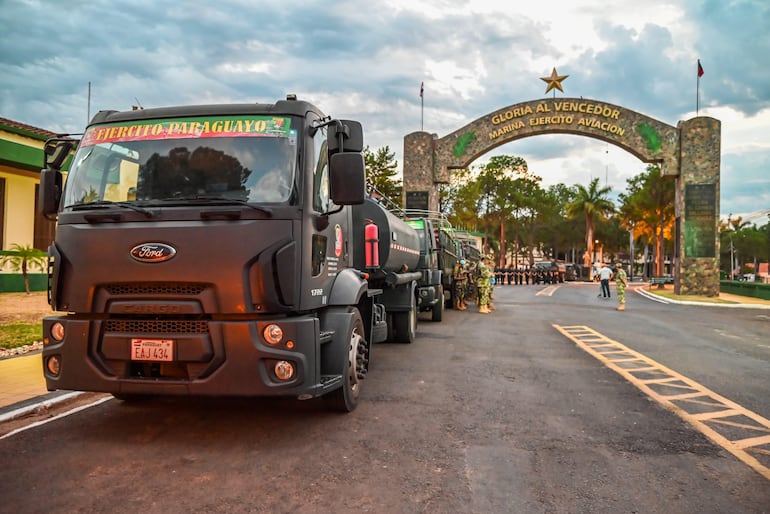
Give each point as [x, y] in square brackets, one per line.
[105, 204]
[219, 200]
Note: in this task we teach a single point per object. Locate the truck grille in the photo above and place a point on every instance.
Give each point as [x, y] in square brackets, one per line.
[156, 326]
[160, 288]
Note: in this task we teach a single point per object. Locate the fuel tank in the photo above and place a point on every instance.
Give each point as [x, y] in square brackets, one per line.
[399, 245]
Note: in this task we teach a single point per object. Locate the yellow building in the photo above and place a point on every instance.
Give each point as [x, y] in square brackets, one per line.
[21, 158]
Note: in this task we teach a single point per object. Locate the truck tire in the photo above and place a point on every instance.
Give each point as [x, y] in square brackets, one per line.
[405, 324]
[438, 308]
[392, 336]
[345, 399]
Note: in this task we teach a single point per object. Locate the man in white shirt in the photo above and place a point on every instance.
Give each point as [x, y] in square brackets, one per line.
[605, 274]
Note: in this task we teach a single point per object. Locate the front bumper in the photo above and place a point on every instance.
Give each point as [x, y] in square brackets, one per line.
[210, 358]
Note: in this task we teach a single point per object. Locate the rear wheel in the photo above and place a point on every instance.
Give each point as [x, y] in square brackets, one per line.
[438, 308]
[405, 324]
[345, 398]
[449, 297]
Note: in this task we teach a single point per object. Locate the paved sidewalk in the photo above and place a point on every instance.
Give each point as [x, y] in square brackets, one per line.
[21, 378]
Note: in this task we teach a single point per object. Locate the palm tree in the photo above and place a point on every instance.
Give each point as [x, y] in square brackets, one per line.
[590, 202]
[20, 258]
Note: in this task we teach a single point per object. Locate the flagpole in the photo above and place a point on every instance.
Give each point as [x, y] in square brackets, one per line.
[697, 88]
[422, 105]
[697, 96]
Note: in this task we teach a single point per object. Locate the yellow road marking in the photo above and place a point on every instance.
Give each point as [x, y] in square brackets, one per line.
[740, 431]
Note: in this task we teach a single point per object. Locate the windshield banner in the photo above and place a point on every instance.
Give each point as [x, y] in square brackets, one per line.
[188, 128]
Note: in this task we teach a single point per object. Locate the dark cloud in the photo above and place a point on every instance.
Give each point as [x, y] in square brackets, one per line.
[733, 43]
[366, 60]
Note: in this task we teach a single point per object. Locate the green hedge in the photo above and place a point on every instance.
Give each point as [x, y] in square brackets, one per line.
[753, 289]
[14, 283]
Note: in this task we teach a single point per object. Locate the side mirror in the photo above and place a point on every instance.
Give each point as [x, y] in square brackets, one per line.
[351, 133]
[56, 151]
[49, 194]
[347, 180]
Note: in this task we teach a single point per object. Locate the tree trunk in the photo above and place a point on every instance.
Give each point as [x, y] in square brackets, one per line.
[25, 276]
[589, 257]
[501, 263]
[659, 264]
[531, 241]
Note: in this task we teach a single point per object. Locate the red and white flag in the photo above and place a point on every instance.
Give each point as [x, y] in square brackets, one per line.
[700, 69]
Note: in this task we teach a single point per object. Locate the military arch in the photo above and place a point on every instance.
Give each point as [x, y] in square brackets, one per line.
[689, 153]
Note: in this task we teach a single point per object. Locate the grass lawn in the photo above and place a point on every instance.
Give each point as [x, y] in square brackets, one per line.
[14, 335]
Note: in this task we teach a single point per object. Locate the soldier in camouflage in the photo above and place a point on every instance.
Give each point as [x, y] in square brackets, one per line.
[460, 276]
[621, 281]
[484, 273]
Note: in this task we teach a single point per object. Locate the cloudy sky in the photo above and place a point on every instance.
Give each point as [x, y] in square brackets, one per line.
[366, 59]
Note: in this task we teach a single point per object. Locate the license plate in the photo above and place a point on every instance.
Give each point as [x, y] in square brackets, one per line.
[152, 350]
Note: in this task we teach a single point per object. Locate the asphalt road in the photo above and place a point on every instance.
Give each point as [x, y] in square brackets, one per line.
[483, 413]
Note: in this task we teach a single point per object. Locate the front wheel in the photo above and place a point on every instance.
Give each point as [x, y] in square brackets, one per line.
[345, 398]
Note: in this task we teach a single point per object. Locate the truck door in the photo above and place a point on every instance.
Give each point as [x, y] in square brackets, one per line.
[328, 242]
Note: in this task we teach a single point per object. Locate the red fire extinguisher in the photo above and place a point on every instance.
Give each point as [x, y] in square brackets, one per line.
[372, 244]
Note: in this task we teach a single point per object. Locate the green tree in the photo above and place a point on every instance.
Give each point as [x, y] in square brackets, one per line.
[742, 242]
[381, 170]
[500, 181]
[21, 258]
[590, 203]
[531, 210]
[557, 231]
[459, 200]
[569, 228]
[648, 209]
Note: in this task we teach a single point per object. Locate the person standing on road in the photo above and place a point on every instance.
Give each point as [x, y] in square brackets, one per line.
[460, 284]
[621, 281]
[483, 285]
[605, 275]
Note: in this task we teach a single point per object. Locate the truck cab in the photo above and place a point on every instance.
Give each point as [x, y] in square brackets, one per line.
[430, 287]
[208, 250]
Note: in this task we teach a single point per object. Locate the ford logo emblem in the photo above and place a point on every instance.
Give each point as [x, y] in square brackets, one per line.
[152, 252]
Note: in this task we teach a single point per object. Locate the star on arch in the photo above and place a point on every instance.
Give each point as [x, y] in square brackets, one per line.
[554, 81]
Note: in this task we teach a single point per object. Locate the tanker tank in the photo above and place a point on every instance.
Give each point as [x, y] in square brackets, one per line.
[399, 245]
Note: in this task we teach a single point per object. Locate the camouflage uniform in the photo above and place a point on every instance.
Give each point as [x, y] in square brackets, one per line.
[621, 280]
[484, 273]
[460, 276]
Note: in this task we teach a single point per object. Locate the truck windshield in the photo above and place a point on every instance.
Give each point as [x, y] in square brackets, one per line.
[243, 158]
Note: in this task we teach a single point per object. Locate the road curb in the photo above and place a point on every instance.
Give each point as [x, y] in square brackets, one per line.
[20, 409]
[663, 299]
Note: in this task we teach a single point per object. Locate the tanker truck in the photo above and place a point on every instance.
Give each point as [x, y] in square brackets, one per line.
[220, 250]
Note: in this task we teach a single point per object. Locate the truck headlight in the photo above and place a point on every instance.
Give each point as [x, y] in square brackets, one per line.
[57, 332]
[273, 334]
[53, 365]
[284, 370]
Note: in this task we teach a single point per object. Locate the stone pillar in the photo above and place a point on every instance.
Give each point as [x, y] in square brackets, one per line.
[420, 192]
[697, 207]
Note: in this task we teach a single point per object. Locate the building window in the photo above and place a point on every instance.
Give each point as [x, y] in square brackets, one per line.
[45, 229]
